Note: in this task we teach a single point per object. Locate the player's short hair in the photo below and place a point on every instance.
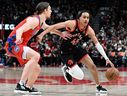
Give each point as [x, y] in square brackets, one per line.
[41, 7]
[80, 13]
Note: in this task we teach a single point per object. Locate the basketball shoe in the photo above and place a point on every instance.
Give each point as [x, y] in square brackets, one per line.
[22, 89]
[100, 91]
[67, 76]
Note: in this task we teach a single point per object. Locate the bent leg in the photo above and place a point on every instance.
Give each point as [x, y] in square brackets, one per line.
[91, 66]
[32, 68]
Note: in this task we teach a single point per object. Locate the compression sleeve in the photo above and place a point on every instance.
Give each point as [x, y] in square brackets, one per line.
[101, 50]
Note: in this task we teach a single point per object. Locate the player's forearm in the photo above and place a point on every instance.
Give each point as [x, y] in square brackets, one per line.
[47, 30]
[57, 32]
[101, 50]
[19, 33]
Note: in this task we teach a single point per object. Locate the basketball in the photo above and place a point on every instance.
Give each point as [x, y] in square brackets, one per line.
[112, 74]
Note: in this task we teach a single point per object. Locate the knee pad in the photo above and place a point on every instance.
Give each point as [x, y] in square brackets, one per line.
[76, 72]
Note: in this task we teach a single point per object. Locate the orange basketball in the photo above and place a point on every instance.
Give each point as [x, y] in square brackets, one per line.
[112, 74]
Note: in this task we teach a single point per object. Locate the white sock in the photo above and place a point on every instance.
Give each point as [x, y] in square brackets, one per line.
[97, 85]
[21, 82]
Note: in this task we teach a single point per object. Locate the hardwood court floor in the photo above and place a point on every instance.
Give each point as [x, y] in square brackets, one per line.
[51, 82]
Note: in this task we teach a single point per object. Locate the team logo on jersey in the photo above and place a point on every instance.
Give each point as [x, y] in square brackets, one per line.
[17, 48]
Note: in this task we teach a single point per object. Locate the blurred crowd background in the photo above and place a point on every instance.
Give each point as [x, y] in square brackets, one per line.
[108, 19]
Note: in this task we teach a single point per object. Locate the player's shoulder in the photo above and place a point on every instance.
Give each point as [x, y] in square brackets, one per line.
[71, 22]
[89, 28]
[32, 19]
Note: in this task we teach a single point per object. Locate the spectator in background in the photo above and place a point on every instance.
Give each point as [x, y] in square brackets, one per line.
[2, 56]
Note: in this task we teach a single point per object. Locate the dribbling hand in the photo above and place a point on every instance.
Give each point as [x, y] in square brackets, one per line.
[109, 62]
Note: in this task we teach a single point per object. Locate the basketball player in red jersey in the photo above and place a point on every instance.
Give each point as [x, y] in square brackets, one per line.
[16, 45]
[72, 53]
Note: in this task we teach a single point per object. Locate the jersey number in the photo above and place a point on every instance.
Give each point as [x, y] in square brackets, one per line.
[75, 41]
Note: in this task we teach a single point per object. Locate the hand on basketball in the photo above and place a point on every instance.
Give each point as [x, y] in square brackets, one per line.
[109, 62]
[112, 74]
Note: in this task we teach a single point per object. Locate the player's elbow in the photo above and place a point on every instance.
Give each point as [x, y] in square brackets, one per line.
[19, 31]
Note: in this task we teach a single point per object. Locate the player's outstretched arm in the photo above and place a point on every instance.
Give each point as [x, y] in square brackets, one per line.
[52, 28]
[91, 34]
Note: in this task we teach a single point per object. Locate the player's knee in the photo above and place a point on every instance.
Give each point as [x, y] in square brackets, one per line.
[93, 67]
[37, 57]
[37, 68]
[76, 72]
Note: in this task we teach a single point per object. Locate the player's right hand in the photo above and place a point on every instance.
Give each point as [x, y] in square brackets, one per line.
[39, 38]
[19, 40]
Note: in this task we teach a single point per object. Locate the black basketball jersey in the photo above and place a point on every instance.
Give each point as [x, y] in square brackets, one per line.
[77, 36]
[71, 48]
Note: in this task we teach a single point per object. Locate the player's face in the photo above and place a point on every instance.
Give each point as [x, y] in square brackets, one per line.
[48, 12]
[84, 18]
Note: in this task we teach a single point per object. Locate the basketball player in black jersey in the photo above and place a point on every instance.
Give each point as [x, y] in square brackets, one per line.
[73, 54]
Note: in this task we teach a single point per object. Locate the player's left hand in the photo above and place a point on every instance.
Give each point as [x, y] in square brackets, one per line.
[66, 35]
[109, 62]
